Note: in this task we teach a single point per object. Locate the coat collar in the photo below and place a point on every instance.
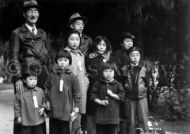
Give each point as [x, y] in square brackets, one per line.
[24, 29]
[106, 82]
[74, 51]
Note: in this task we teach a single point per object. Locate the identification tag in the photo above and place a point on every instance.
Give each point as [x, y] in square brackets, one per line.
[61, 85]
[35, 102]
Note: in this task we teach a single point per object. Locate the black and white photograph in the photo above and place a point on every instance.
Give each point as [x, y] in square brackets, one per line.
[94, 67]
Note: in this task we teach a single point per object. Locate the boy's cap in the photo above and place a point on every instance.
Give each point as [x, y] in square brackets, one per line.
[133, 49]
[29, 4]
[126, 35]
[31, 70]
[77, 16]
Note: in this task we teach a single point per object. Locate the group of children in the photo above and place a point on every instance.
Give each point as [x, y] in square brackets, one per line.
[102, 91]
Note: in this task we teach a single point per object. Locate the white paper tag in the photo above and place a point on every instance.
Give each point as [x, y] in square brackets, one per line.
[61, 85]
[35, 102]
[79, 65]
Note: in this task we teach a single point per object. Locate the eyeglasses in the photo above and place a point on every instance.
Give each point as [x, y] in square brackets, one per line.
[32, 12]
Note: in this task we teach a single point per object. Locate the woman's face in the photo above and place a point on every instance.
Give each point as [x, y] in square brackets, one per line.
[74, 41]
[101, 47]
[127, 43]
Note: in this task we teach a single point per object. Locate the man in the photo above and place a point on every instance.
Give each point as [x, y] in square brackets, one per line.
[28, 46]
[77, 22]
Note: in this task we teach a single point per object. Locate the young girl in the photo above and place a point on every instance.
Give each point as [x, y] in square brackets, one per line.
[30, 105]
[78, 66]
[62, 90]
[107, 94]
[94, 61]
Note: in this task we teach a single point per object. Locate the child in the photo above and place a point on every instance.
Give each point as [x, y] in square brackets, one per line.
[78, 22]
[107, 93]
[30, 105]
[62, 90]
[78, 67]
[94, 62]
[126, 42]
[136, 93]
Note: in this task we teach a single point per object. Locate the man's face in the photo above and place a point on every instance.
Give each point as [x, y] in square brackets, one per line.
[78, 25]
[31, 15]
[135, 57]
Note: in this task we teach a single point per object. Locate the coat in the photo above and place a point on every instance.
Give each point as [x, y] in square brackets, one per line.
[62, 102]
[107, 114]
[141, 80]
[27, 49]
[24, 106]
[79, 69]
[86, 44]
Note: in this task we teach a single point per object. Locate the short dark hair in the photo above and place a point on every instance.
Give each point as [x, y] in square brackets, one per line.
[63, 53]
[99, 38]
[72, 31]
[133, 49]
[108, 65]
[125, 35]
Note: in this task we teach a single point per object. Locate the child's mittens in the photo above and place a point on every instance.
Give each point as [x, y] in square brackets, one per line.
[19, 120]
[41, 112]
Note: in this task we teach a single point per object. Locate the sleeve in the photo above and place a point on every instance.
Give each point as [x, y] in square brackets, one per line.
[94, 92]
[44, 100]
[121, 92]
[14, 50]
[76, 91]
[17, 106]
[47, 88]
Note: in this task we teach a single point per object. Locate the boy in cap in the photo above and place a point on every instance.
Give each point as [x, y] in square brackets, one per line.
[126, 42]
[78, 22]
[135, 86]
[28, 45]
[29, 106]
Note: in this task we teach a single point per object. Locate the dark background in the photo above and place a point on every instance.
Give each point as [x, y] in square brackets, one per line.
[161, 27]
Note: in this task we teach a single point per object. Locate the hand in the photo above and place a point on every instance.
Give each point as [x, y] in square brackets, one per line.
[104, 102]
[109, 92]
[41, 112]
[19, 86]
[19, 120]
[48, 106]
[76, 110]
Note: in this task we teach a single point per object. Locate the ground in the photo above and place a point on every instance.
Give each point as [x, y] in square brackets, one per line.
[7, 114]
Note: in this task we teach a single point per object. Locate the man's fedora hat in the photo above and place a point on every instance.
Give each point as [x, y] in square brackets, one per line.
[77, 16]
[29, 4]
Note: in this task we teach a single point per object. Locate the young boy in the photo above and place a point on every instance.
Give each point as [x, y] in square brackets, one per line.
[62, 89]
[30, 105]
[136, 93]
[78, 22]
[126, 42]
[107, 94]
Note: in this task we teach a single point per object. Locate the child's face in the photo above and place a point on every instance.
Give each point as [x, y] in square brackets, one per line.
[135, 57]
[78, 25]
[108, 74]
[62, 62]
[31, 81]
[127, 43]
[101, 47]
[74, 41]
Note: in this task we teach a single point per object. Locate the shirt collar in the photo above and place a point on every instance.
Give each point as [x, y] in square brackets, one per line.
[30, 28]
[73, 51]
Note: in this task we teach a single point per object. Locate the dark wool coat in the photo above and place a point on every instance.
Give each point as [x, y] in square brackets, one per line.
[107, 114]
[62, 102]
[26, 49]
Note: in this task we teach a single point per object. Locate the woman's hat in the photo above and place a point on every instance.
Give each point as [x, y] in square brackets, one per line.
[29, 4]
[77, 16]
